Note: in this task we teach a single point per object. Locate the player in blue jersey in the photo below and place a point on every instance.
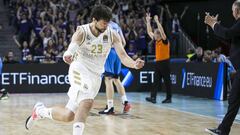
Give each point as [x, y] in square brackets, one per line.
[111, 76]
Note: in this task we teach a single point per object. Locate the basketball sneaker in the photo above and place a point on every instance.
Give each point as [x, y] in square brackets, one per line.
[35, 115]
[213, 131]
[167, 100]
[4, 96]
[107, 111]
[151, 99]
[126, 107]
[2, 90]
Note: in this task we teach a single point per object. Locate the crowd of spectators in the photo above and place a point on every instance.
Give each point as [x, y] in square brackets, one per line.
[214, 56]
[44, 27]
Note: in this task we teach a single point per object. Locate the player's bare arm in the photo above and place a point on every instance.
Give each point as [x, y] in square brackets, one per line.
[149, 27]
[125, 59]
[77, 40]
[160, 28]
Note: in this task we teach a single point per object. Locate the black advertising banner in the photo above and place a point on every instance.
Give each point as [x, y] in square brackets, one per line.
[35, 78]
[196, 79]
[206, 80]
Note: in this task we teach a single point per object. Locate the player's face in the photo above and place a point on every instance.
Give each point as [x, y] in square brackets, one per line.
[101, 25]
[157, 35]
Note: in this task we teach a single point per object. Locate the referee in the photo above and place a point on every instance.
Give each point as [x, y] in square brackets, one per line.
[162, 66]
[233, 34]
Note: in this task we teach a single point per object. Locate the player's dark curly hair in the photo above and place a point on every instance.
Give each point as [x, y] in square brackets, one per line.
[101, 12]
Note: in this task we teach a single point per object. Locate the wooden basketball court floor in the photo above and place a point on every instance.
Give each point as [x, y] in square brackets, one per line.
[185, 116]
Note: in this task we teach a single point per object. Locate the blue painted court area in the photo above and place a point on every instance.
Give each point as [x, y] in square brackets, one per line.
[200, 106]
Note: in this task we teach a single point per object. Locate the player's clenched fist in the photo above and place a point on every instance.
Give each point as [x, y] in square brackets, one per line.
[139, 63]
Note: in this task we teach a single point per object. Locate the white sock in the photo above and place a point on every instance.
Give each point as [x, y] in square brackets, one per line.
[110, 104]
[78, 128]
[45, 112]
[124, 98]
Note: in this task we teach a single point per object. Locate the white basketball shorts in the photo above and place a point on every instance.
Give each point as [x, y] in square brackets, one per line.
[83, 85]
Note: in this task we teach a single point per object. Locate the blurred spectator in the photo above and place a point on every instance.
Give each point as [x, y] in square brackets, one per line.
[218, 57]
[125, 6]
[198, 56]
[81, 17]
[141, 41]
[72, 11]
[24, 48]
[48, 32]
[175, 19]
[12, 13]
[207, 56]
[9, 59]
[151, 47]
[48, 60]
[175, 27]
[24, 24]
[65, 46]
[115, 15]
[25, 51]
[29, 59]
[132, 52]
[36, 47]
[190, 52]
[50, 52]
[37, 24]
[59, 45]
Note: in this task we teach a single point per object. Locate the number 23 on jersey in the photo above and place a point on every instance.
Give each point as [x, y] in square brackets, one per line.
[97, 49]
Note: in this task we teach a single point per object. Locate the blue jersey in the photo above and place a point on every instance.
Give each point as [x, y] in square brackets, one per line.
[115, 27]
[113, 63]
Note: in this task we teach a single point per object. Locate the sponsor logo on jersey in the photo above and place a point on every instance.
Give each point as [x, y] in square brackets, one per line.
[105, 38]
[88, 37]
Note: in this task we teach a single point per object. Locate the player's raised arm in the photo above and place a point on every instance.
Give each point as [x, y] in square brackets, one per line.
[149, 27]
[77, 39]
[160, 28]
[125, 59]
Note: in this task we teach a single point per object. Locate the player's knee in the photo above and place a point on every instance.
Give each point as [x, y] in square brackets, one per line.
[68, 116]
[108, 80]
[88, 104]
[116, 81]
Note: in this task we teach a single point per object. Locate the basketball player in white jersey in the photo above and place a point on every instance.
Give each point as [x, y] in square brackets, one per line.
[86, 55]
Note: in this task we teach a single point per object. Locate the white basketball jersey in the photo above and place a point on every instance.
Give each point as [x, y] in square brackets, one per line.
[93, 52]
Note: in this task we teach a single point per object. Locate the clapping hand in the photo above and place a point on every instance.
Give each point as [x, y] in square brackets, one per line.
[210, 20]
